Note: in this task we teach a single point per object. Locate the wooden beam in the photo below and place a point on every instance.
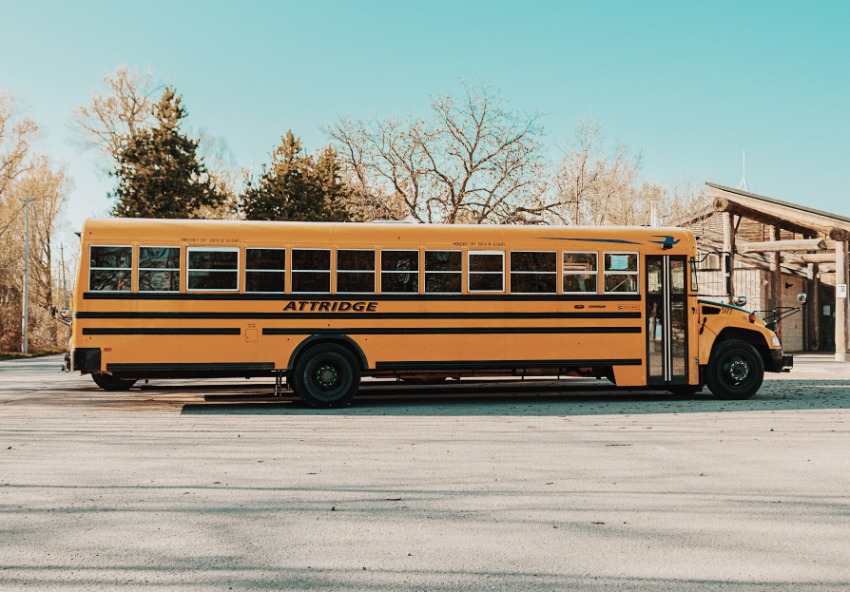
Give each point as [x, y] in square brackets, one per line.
[774, 246]
[810, 311]
[841, 301]
[757, 260]
[776, 277]
[729, 255]
[725, 205]
[812, 258]
[839, 234]
[786, 214]
[814, 308]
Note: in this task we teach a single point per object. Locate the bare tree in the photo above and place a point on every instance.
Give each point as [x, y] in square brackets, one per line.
[372, 199]
[16, 133]
[46, 190]
[111, 117]
[684, 199]
[125, 108]
[472, 161]
[227, 176]
[594, 187]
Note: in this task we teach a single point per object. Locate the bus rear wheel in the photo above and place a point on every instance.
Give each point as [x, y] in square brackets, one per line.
[735, 370]
[110, 383]
[326, 375]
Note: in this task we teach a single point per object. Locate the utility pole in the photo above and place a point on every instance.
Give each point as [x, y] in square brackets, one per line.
[64, 288]
[25, 308]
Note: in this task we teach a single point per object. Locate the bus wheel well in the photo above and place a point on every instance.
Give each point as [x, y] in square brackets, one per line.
[343, 340]
[751, 337]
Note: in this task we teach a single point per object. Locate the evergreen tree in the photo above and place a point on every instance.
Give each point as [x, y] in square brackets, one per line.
[295, 187]
[159, 172]
[326, 175]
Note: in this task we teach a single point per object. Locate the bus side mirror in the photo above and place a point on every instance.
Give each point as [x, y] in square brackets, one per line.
[801, 298]
[740, 300]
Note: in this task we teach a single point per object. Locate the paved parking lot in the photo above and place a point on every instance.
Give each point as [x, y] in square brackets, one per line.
[493, 486]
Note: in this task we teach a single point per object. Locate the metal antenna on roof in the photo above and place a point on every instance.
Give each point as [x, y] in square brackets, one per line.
[742, 184]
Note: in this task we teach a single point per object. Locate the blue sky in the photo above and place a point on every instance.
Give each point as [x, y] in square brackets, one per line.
[688, 85]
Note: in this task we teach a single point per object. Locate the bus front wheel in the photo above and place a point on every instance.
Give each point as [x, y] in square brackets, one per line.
[326, 375]
[110, 383]
[735, 370]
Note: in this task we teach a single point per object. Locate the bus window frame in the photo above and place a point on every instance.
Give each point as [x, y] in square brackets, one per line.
[373, 271]
[292, 272]
[425, 271]
[469, 271]
[283, 271]
[565, 273]
[417, 271]
[510, 272]
[693, 286]
[130, 269]
[237, 271]
[140, 269]
[636, 273]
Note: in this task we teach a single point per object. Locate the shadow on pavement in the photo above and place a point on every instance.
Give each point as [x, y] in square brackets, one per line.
[533, 398]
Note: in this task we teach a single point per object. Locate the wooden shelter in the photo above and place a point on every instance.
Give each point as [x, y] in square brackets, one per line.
[768, 250]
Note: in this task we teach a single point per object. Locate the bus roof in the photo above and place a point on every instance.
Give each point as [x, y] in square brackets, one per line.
[236, 232]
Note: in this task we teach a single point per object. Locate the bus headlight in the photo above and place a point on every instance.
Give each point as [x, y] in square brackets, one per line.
[774, 340]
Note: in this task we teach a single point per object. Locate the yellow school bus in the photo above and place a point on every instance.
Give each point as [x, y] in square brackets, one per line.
[321, 305]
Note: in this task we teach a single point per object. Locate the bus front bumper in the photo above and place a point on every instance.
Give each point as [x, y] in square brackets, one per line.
[781, 362]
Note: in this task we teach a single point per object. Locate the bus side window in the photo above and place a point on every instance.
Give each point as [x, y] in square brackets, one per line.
[265, 270]
[534, 272]
[212, 268]
[311, 271]
[110, 268]
[621, 273]
[443, 272]
[399, 271]
[355, 271]
[486, 271]
[159, 269]
[581, 272]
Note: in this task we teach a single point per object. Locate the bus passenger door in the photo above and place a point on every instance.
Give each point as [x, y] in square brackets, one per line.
[666, 320]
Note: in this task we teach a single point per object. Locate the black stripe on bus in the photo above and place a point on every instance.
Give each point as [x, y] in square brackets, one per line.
[358, 315]
[448, 330]
[373, 297]
[499, 364]
[159, 331]
[193, 367]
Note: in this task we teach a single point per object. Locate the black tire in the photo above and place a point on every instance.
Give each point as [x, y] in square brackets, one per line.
[735, 370]
[326, 375]
[110, 383]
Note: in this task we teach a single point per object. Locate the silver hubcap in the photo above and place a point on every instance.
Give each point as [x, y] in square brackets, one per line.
[738, 370]
[326, 376]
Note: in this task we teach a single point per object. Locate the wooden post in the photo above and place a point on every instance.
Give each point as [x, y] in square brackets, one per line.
[776, 282]
[814, 308]
[729, 255]
[841, 300]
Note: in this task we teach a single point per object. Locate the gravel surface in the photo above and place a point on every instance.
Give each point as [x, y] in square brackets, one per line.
[494, 485]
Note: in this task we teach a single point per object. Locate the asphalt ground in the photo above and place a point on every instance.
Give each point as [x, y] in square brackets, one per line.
[491, 485]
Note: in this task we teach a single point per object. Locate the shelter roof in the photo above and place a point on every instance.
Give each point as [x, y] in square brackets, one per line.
[786, 215]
